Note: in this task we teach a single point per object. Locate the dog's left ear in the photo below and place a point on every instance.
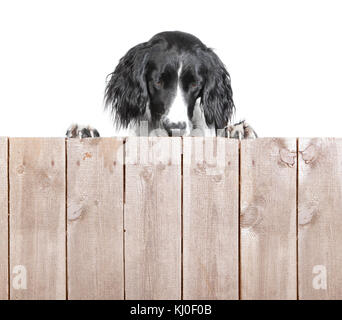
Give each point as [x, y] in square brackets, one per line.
[217, 95]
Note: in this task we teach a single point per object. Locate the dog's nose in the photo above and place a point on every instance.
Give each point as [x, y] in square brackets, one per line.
[174, 128]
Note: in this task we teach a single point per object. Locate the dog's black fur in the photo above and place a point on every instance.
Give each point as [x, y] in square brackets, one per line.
[174, 83]
[143, 84]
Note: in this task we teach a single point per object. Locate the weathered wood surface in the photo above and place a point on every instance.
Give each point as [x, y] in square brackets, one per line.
[320, 219]
[152, 218]
[95, 218]
[96, 259]
[3, 220]
[210, 215]
[37, 218]
[268, 219]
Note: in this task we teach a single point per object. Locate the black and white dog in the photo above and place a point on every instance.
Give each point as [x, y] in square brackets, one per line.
[174, 84]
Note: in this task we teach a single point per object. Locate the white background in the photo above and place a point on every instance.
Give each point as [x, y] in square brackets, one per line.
[284, 58]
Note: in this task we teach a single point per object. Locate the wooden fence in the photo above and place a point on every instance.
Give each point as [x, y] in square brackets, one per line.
[170, 218]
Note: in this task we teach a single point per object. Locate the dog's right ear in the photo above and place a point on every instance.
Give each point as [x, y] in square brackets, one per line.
[126, 92]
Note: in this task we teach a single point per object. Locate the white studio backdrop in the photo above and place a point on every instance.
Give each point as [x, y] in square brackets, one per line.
[284, 58]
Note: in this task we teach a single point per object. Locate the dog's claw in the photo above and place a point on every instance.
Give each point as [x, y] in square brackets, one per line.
[77, 131]
[241, 130]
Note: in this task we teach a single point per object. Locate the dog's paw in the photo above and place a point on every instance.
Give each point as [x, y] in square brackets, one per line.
[241, 130]
[77, 131]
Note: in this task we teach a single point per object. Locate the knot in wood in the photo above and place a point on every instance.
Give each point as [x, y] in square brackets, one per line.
[307, 212]
[75, 211]
[146, 173]
[20, 169]
[309, 154]
[250, 216]
[288, 157]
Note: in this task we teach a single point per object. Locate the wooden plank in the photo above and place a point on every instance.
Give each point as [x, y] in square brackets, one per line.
[153, 218]
[210, 215]
[268, 219]
[37, 218]
[95, 218]
[320, 219]
[3, 221]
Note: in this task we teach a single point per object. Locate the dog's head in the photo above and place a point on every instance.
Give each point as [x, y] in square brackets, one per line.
[165, 80]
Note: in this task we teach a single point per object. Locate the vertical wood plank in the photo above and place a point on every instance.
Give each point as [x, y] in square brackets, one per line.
[37, 218]
[268, 219]
[320, 219]
[210, 215]
[153, 218]
[3, 221]
[95, 218]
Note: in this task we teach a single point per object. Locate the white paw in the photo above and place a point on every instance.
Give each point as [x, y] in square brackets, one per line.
[77, 131]
[241, 130]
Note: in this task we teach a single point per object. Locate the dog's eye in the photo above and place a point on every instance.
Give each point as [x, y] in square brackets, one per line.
[158, 84]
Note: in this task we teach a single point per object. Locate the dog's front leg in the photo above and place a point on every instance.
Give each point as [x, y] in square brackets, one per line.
[241, 130]
[77, 131]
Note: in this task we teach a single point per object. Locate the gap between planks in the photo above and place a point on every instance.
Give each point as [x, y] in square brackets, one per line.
[123, 218]
[66, 218]
[297, 183]
[8, 222]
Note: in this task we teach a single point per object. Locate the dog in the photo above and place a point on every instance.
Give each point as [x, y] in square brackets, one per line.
[176, 86]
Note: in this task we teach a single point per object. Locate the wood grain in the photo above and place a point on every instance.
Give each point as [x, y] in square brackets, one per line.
[320, 218]
[95, 218]
[3, 221]
[210, 215]
[37, 216]
[268, 219]
[153, 218]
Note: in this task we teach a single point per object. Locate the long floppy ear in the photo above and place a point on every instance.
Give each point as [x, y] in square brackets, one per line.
[217, 96]
[126, 91]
